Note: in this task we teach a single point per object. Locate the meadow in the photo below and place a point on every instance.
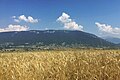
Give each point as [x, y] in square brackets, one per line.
[71, 64]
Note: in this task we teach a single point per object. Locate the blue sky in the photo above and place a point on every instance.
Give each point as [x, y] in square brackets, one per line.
[85, 13]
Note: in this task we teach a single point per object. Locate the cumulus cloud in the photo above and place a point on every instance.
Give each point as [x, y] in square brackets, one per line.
[29, 19]
[14, 28]
[69, 23]
[108, 29]
[22, 17]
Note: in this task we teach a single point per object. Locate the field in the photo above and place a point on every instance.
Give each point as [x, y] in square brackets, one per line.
[60, 65]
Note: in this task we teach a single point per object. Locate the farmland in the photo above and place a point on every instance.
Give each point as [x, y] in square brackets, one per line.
[71, 64]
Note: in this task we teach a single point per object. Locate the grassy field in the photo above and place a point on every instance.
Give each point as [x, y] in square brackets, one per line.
[61, 65]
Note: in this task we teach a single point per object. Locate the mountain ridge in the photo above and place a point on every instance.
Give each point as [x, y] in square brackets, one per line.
[48, 37]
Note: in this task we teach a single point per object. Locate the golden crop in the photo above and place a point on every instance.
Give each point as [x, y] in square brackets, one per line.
[61, 65]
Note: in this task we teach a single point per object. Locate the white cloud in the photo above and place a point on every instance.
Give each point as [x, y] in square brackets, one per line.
[69, 23]
[31, 20]
[108, 29]
[16, 20]
[64, 18]
[24, 18]
[14, 28]
[13, 17]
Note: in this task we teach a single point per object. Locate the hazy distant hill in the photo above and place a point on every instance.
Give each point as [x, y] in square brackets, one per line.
[113, 40]
[57, 37]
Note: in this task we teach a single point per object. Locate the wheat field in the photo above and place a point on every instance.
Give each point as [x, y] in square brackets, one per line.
[60, 65]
